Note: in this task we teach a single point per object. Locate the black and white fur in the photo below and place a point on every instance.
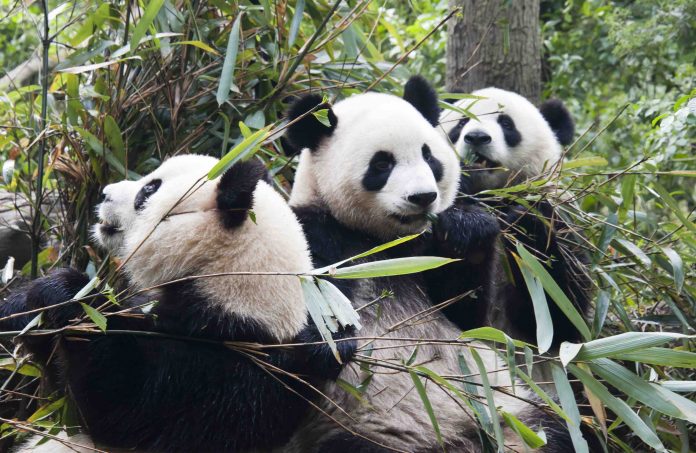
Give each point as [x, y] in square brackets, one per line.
[188, 391]
[372, 175]
[508, 142]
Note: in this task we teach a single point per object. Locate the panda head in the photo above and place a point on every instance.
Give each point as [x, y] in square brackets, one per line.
[176, 223]
[510, 139]
[379, 165]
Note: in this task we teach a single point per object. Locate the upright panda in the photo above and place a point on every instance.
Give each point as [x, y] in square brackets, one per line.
[183, 389]
[378, 171]
[508, 142]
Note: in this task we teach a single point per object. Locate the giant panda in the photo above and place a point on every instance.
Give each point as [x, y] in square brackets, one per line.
[508, 142]
[181, 388]
[380, 170]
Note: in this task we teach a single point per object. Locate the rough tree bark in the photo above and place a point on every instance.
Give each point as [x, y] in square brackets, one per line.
[495, 43]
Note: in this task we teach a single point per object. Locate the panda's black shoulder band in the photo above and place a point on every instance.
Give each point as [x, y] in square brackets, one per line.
[235, 191]
[423, 97]
[305, 130]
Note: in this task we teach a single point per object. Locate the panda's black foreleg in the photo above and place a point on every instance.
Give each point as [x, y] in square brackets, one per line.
[531, 229]
[467, 233]
[318, 360]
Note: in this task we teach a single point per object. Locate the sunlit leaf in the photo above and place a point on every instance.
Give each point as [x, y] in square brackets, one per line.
[227, 74]
[145, 22]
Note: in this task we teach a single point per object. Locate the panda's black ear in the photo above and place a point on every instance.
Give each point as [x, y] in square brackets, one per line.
[309, 131]
[558, 117]
[235, 191]
[423, 97]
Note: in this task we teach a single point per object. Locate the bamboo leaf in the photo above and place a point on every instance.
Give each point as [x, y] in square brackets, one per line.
[492, 410]
[113, 136]
[530, 438]
[96, 317]
[620, 408]
[664, 194]
[660, 356]
[245, 149]
[635, 387]
[426, 403]
[391, 267]
[567, 399]
[314, 300]
[589, 161]
[677, 265]
[619, 344]
[199, 44]
[544, 329]
[296, 22]
[227, 74]
[490, 334]
[46, 410]
[554, 291]
[145, 21]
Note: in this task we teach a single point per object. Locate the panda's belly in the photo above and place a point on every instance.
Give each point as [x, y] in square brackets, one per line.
[391, 411]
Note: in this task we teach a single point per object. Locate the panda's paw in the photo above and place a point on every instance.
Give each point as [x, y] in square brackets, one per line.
[319, 360]
[518, 219]
[462, 231]
[55, 289]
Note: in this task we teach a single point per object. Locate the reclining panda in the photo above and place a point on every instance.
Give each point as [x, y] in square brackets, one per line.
[378, 171]
[508, 142]
[183, 389]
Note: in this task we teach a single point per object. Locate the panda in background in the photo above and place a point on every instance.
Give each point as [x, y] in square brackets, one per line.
[378, 171]
[509, 142]
[187, 391]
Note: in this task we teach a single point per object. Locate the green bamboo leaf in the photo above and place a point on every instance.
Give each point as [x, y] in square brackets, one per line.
[372, 251]
[620, 408]
[530, 438]
[679, 386]
[428, 407]
[199, 44]
[145, 21]
[227, 74]
[544, 330]
[492, 409]
[632, 385]
[628, 247]
[26, 369]
[542, 394]
[46, 410]
[245, 149]
[340, 306]
[296, 21]
[567, 399]
[660, 356]
[314, 301]
[87, 288]
[113, 136]
[677, 265]
[472, 389]
[391, 267]
[92, 67]
[554, 291]
[96, 317]
[601, 310]
[589, 161]
[323, 117]
[621, 344]
[659, 190]
[490, 334]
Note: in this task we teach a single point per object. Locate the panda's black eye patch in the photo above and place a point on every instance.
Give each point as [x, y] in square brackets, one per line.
[510, 132]
[378, 171]
[457, 130]
[146, 192]
[432, 161]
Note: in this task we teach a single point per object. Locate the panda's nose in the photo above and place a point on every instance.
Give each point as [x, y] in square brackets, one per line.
[477, 138]
[423, 199]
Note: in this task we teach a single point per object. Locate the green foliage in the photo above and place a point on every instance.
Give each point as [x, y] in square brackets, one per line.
[136, 82]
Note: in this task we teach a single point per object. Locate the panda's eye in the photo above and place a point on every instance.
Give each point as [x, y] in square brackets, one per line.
[506, 122]
[382, 161]
[145, 192]
[427, 154]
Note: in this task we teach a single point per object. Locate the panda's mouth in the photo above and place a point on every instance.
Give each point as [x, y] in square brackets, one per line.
[484, 162]
[409, 219]
[109, 229]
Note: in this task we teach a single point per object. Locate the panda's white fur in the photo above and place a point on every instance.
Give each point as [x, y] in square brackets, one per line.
[331, 175]
[537, 152]
[182, 215]
[390, 412]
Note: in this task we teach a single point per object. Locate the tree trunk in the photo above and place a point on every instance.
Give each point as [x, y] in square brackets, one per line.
[495, 43]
